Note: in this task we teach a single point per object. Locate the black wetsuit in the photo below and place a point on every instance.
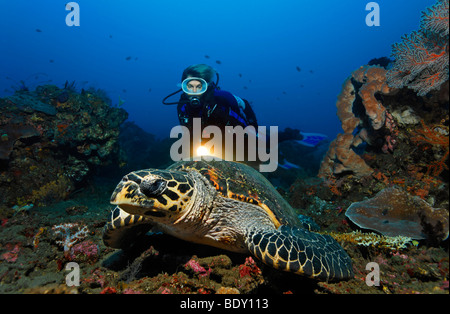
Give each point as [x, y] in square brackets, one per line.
[219, 108]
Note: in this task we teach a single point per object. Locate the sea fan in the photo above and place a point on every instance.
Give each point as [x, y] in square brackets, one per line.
[422, 57]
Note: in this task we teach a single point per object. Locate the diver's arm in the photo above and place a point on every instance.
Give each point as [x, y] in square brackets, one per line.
[183, 116]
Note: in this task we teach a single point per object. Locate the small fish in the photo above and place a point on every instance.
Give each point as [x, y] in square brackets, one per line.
[298, 69]
[110, 36]
[311, 71]
[240, 75]
[218, 62]
[245, 87]
[149, 90]
[206, 56]
[121, 102]
[284, 93]
[124, 90]
[38, 30]
[51, 60]
[128, 58]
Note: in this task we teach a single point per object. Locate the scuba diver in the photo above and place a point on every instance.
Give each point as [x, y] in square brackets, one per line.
[202, 98]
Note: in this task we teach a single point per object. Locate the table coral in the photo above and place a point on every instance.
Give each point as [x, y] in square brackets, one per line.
[394, 212]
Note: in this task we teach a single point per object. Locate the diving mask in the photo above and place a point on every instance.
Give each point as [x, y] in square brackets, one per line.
[194, 86]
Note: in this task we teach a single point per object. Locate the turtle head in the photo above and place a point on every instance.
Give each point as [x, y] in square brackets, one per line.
[155, 193]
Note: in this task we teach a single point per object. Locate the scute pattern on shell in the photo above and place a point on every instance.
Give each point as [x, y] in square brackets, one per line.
[243, 183]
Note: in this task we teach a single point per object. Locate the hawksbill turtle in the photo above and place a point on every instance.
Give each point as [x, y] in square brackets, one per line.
[224, 204]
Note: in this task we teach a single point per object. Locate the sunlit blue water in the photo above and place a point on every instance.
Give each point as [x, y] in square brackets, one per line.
[136, 50]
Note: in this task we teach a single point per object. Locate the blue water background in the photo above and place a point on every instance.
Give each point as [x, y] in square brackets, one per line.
[258, 43]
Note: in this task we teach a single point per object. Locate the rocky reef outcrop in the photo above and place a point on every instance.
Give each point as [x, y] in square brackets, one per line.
[51, 140]
[395, 122]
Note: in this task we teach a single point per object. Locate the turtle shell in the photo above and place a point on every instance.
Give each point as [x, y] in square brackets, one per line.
[241, 182]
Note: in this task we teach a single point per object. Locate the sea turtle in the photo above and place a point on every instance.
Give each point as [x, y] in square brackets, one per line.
[224, 204]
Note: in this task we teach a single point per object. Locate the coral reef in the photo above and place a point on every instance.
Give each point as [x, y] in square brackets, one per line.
[51, 141]
[70, 234]
[422, 57]
[391, 137]
[32, 260]
[394, 212]
[364, 119]
[394, 142]
[86, 251]
[373, 240]
[10, 134]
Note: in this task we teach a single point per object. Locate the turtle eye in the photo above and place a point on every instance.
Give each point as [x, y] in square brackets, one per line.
[152, 187]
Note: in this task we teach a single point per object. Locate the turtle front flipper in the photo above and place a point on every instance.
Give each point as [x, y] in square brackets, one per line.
[123, 229]
[302, 252]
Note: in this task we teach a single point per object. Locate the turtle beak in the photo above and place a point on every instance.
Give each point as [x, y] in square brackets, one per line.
[128, 193]
[125, 192]
[129, 198]
[140, 211]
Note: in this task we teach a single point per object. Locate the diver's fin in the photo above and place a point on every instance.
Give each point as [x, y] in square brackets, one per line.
[311, 139]
[288, 165]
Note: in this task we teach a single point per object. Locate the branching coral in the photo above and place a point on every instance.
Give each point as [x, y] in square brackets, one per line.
[70, 234]
[422, 57]
[373, 240]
